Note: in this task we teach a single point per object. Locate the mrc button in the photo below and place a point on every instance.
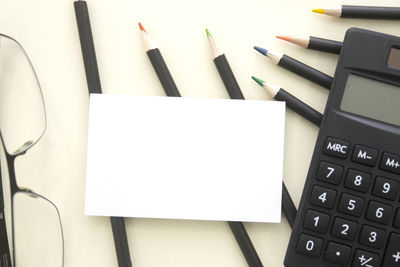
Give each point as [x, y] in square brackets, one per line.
[390, 162]
[337, 148]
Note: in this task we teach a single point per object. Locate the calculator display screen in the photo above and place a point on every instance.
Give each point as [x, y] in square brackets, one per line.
[371, 98]
[394, 58]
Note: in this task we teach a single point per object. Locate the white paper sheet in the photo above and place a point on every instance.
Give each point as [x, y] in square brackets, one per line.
[185, 158]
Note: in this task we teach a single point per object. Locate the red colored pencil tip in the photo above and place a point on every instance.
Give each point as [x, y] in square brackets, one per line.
[141, 27]
[286, 38]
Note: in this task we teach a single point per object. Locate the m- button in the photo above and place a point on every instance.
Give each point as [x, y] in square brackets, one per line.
[337, 148]
[364, 155]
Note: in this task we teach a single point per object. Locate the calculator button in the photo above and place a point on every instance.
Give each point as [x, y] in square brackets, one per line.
[372, 237]
[351, 205]
[386, 188]
[323, 197]
[392, 257]
[329, 173]
[364, 155]
[337, 253]
[390, 162]
[337, 148]
[316, 221]
[365, 259]
[344, 229]
[309, 245]
[379, 212]
[358, 180]
[396, 222]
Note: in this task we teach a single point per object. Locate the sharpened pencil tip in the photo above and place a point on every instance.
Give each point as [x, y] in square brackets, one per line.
[141, 27]
[208, 34]
[285, 38]
[319, 10]
[259, 81]
[261, 50]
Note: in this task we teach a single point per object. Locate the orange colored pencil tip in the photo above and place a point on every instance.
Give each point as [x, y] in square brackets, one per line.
[141, 27]
[319, 10]
[285, 38]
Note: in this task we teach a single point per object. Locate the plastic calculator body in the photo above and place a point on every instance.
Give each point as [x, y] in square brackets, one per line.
[349, 213]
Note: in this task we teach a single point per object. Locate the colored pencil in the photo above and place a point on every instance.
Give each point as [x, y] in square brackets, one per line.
[159, 65]
[87, 46]
[224, 70]
[297, 67]
[233, 89]
[315, 43]
[304, 110]
[288, 207]
[366, 12]
[94, 86]
[237, 228]
[292, 102]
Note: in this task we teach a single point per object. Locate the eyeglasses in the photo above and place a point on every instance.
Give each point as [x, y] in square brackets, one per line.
[30, 224]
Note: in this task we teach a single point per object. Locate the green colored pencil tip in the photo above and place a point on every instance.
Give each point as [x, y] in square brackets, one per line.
[257, 80]
[208, 34]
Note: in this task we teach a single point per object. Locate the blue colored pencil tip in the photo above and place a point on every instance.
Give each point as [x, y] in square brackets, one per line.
[261, 50]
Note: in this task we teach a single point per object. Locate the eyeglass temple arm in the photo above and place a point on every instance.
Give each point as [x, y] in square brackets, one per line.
[5, 259]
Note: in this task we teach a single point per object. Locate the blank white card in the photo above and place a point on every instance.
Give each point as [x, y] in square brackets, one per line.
[185, 158]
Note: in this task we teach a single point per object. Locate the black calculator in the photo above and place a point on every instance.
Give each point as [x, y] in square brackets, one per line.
[349, 214]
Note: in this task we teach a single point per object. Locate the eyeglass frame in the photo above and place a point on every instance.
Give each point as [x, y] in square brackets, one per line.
[14, 188]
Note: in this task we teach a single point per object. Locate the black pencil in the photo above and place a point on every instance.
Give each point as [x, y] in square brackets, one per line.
[94, 86]
[231, 85]
[234, 91]
[288, 207]
[237, 228]
[297, 67]
[159, 65]
[292, 102]
[365, 12]
[304, 110]
[87, 47]
[224, 70]
[315, 43]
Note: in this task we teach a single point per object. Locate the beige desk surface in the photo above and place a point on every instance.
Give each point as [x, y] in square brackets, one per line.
[48, 31]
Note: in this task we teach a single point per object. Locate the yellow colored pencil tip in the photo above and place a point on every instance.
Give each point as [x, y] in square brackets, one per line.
[319, 10]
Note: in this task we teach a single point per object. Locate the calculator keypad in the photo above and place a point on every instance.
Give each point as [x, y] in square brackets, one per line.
[358, 180]
[379, 212]
[390, 162]
[323, 197]
[337, 148]
[396, 222]
[354, 209]
[337, 253]
[316, 221]
[330, 173]
[344, 229]
[392, 257]
[351, 205]
[372, 237]
[364, 258]
[386, 188]
[365, 155]
[310, 245]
